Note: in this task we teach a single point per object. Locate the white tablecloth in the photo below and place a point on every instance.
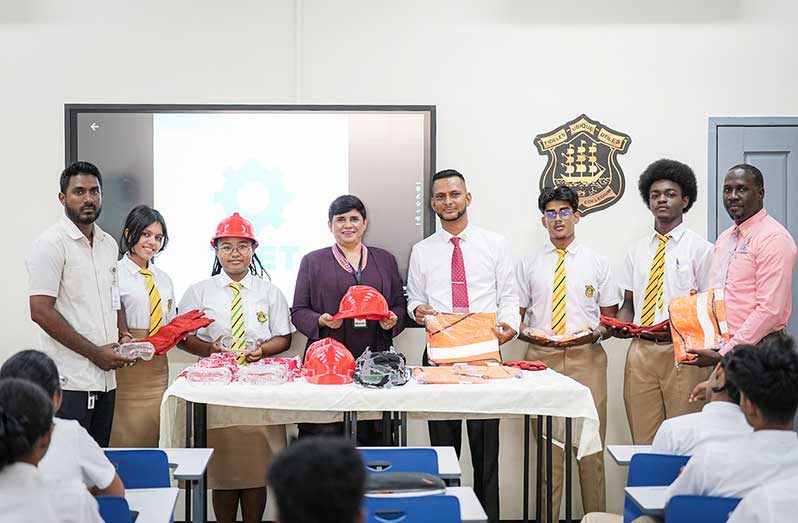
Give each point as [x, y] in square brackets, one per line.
[545, 393]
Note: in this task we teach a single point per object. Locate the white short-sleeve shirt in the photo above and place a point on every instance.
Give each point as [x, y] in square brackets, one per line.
[773, 502]
[266, 312]
[26, 495]
[74, 455]
[589, 285]
[718, 420]
[688, 258]
[136, 299]
[82, 278]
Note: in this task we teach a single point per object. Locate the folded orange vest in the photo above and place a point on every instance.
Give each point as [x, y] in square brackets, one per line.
[462, 338]
[698, 321]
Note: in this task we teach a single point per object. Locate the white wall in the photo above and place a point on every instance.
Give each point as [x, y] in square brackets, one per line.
[499, 73]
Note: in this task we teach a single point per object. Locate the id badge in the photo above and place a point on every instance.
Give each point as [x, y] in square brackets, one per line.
[90, 404]
[360, 323]
[116, 302]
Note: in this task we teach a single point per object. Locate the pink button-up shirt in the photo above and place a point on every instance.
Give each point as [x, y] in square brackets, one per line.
[761, 255]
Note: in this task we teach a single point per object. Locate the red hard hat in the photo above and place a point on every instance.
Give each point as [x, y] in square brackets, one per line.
[363, 302]
[328, 362]
[234, 226]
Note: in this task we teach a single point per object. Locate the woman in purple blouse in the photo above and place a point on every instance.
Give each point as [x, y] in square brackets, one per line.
[324, 277]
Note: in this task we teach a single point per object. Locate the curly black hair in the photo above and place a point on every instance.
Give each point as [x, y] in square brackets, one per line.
[674, 171]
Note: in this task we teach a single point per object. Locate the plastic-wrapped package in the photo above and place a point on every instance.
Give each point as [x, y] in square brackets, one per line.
[293, 365]
[264, 374]
[143, 350]
[383, 369]
[236, 346]
[487, 372]
[209, 375]
[456, 338]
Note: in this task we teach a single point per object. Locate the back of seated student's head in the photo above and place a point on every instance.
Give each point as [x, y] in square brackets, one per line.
[26, 422]
[36, 367]
[318, 479]
[767, 376]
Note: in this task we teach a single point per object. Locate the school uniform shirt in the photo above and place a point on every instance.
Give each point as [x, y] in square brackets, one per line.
[28, 496]
[136, 299]
[488, 264]
[589, 285]
[734, 468]
[774, 502]
[83, 280]
[717, 421]
[74, 455]
[688, 258]
[266, 312]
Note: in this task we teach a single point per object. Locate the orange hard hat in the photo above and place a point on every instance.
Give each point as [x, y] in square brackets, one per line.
[363, 302]
[234, 226]
[328, 362]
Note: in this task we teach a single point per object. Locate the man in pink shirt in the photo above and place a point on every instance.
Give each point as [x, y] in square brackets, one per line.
[753, 263]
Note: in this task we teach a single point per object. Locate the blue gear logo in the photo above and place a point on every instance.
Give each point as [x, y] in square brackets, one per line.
[271, 180]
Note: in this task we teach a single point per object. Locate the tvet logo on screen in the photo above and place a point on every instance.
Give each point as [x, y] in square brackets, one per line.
[260, 196]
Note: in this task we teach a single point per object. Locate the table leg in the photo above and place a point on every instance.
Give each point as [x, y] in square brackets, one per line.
[539, 472]
[189, 485]
[354, 427]
[568, 474]
[525, 494]
[200, 506]
[387, 428]
[403, 423]
[549, 465]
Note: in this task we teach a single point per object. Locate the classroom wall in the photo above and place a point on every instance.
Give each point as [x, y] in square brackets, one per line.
[499, 73]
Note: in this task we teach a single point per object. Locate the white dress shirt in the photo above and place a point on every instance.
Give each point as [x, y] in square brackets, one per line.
[774, 502]
[589, 285]
[733, 468]
[74, 455]
[717, 421]
[136, 299]
[83, 280]
[488, 264]
[266, 312]
[26, 495]
[688, 259]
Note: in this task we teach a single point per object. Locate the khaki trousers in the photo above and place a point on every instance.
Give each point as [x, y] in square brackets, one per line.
[587, 364]
[654, 389]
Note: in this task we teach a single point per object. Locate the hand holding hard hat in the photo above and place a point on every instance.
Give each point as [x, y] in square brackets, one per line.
[363, 302]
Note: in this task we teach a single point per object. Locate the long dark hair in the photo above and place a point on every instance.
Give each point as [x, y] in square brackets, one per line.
[34, 366]
[139, 218]
[26, 414]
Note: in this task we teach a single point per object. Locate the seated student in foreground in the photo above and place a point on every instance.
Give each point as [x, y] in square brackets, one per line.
[318, 479]
[719, 420]
[73, 454]
[26, 425]
[774, 502]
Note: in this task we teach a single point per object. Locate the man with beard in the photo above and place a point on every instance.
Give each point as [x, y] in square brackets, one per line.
[669, 261]
[458, 269]
[74, 298]
[753, 263]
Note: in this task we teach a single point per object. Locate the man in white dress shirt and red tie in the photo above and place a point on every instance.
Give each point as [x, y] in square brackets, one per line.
[464, 268]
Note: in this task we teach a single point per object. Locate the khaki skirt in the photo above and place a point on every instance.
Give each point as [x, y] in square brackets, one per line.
[137, 411]
[242, 455]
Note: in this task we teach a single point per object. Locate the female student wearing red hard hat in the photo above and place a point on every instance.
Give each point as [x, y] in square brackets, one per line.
[248, 307]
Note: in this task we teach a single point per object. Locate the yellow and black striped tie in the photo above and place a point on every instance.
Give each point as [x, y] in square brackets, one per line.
[156, 311]
[237, 318]
[656, 278]
[558, 296]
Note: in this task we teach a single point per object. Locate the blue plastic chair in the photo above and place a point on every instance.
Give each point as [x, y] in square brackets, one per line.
[650, 470]
[114, 509]
[437, 508]
[399, 459]
[706, 509]
[141, 468]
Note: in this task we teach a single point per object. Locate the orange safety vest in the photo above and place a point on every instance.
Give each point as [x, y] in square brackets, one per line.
[698, 321]
[462, 338]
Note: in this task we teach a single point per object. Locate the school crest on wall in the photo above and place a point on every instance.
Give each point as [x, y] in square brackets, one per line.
[583, 154]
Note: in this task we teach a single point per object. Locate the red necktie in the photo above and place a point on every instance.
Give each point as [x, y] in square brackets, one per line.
[459, 283]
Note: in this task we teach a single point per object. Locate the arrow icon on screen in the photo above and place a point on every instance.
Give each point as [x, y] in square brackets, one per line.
[94, 126]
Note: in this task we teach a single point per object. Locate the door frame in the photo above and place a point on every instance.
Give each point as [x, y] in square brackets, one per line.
[712, 159]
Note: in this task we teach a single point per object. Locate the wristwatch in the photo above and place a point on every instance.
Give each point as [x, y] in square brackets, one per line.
[123, 334]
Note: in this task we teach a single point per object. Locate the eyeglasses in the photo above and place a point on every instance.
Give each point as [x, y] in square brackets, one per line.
[241, 249]
[565, 213]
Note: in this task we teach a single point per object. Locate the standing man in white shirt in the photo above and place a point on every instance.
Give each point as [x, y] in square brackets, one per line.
[563, 288]
[719, 420]
[670, 261]
[74, 298]
[434, 285]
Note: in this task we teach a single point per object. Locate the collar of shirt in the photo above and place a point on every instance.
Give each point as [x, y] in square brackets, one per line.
[446, 236]
[751, 225]
[76, 234]
[770, 438]
[224, 280]
[675, 234]
[572, 248]
[131, 266]
[722, 407]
